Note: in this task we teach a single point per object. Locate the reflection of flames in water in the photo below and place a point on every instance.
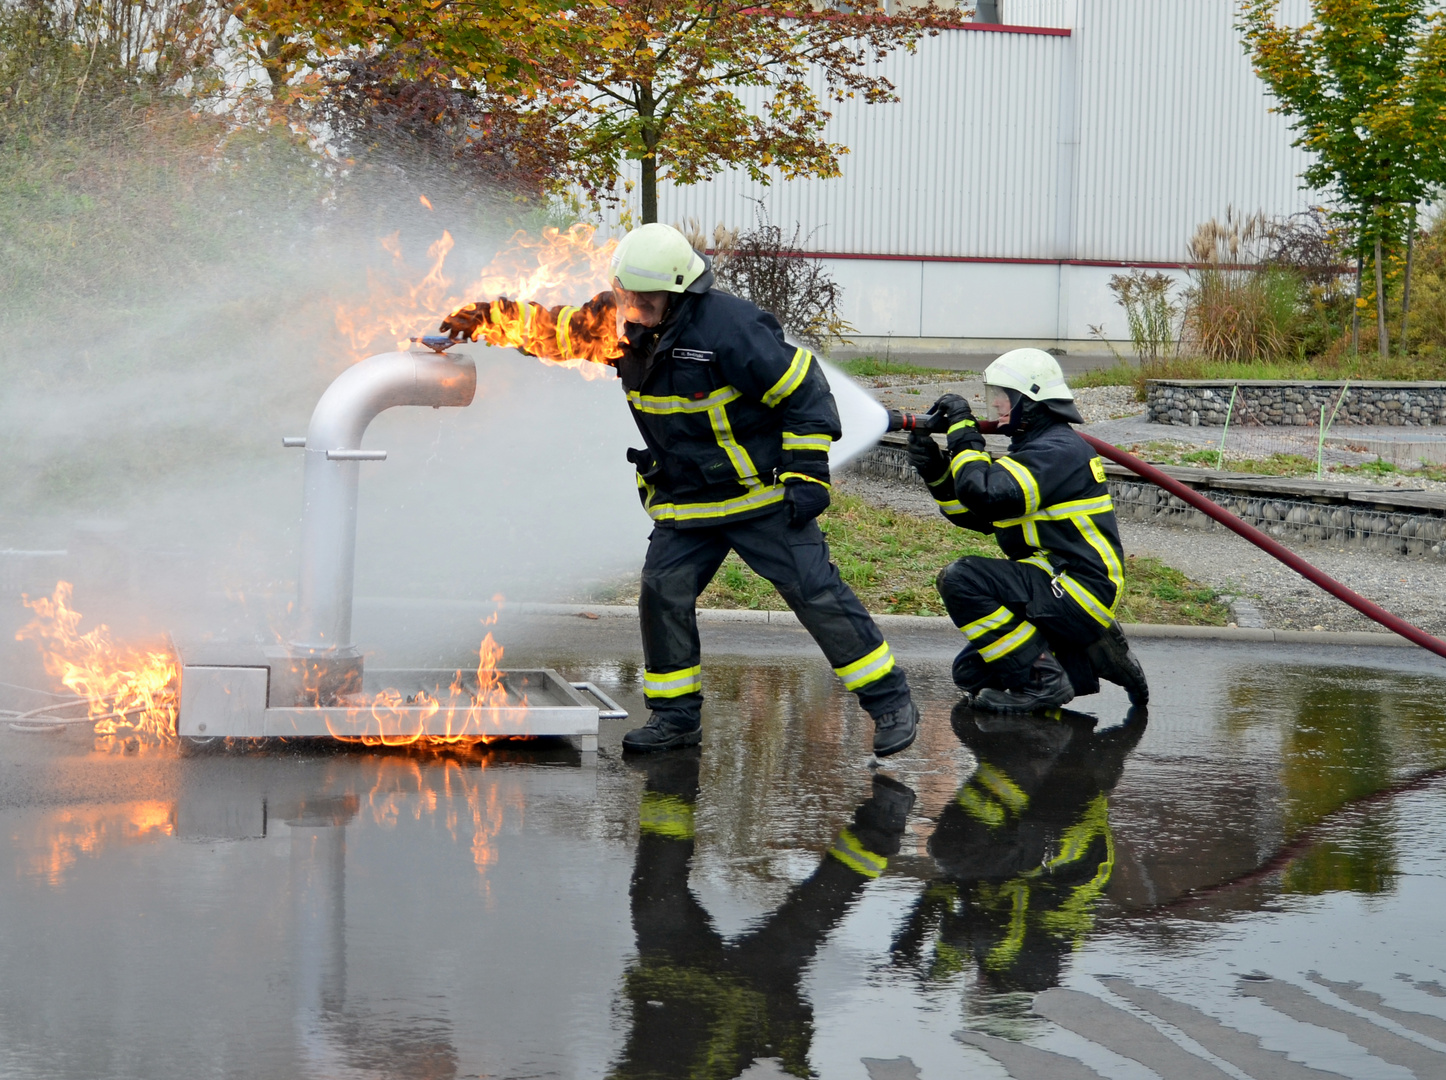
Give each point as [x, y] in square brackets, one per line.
[421, 789]
[130, 691]
[559, 267]
[127, 691]
[57, 841]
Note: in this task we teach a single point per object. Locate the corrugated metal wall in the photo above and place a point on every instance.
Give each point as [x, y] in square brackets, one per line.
[1173, 127]
[1058, 13]
[964, 163]
[1109, 144]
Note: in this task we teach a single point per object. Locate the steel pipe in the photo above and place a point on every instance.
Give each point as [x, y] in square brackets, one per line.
[328, 526]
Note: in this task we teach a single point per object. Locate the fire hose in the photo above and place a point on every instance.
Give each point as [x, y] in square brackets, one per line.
[930, 422]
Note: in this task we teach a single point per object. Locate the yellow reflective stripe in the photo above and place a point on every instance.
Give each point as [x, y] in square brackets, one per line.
[1007, 951]
[564, 332]
[964, 457]
[792, 378]
[1008, 643]
[762, 496]
[1042, 561]
[952, 506]
[960, 426]
[1025, 479]
[1106, 551]
[1002, 787]
[723, 432]
[663, 406]
[1100, 504]
[848, 850]
[980, 806]
[792, 441]
[993, 621]
[667, 684]
[868, 669]
[1087, 600]
[802, 476]
[665, 815]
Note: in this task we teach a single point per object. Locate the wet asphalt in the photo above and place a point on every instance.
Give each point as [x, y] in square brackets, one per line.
[1246, 882]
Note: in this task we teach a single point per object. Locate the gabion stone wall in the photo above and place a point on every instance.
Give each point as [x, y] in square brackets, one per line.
[1193, 402]
[1301, 520]
[1286, 518]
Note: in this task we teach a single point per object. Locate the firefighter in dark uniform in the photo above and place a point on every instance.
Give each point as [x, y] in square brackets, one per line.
[738, 426]
[702, 1005]
[1025, 848]
[1040, 625]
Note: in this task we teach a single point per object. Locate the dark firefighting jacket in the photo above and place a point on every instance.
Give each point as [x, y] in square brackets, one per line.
[1046, 504]
[730, 412]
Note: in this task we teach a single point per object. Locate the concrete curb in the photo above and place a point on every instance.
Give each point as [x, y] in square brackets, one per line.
[941, 622]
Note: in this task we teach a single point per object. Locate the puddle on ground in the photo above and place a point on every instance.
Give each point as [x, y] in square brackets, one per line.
[1267, 839]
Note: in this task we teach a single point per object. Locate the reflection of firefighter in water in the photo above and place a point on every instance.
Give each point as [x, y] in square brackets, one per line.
[1025, 847]
[704, 1007]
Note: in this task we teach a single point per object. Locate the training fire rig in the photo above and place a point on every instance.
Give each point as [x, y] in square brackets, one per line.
[316, 684]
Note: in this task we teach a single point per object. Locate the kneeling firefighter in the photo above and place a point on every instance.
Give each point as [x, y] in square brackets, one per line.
[738, 426]
[1040, 626]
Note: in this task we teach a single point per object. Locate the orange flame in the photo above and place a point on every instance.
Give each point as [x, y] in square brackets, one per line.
[558, 267]
[127, 691]
[469, 714]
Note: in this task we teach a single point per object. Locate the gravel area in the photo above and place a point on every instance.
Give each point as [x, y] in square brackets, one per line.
[916, 393]
[1411, 588]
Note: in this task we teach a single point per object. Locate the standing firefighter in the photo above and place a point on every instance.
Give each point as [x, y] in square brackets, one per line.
[738, 426]
[1041, 626]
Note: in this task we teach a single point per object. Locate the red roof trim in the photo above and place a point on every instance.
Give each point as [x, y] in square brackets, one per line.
[1001, 28]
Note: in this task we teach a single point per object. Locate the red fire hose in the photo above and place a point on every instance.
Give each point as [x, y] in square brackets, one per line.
[1265, 543]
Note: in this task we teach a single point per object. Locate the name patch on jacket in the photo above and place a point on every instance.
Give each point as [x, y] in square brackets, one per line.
[703, 356]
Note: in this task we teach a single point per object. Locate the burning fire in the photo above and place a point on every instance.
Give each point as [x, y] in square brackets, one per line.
[468, 707]
[127, 691]
[559, 267]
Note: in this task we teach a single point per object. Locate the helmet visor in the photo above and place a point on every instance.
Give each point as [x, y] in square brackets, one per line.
[1000, 404]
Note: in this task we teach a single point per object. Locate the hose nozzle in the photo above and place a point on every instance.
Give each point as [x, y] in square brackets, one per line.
[927, 423]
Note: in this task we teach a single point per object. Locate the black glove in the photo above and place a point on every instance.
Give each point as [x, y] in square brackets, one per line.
[645, 461]
[962, 433]
[805, 500]
[926, 457]
[465, 321]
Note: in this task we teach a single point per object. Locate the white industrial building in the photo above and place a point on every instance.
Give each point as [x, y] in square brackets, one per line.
[1026, 162]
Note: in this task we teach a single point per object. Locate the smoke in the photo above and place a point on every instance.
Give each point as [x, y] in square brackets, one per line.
[148, 389]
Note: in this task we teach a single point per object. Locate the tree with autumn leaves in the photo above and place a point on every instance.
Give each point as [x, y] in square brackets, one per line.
[1365, 84]
[666, 83]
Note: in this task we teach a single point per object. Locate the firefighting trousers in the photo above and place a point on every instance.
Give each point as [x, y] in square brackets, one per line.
[680, 564]
[1009, 614]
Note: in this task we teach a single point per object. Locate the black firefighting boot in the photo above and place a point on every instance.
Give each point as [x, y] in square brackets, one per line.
[1112, 659]
[896, 730]
[1048, 688]
[880, 820]
[664, 731]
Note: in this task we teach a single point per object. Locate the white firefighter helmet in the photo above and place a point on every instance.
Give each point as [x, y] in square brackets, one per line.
[656, 258]
[1032, 372]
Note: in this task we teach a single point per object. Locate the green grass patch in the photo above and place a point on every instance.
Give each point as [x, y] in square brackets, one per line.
[868, 367]
[890, 559]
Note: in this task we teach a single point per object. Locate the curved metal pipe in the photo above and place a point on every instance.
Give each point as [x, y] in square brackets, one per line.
[328, 526]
